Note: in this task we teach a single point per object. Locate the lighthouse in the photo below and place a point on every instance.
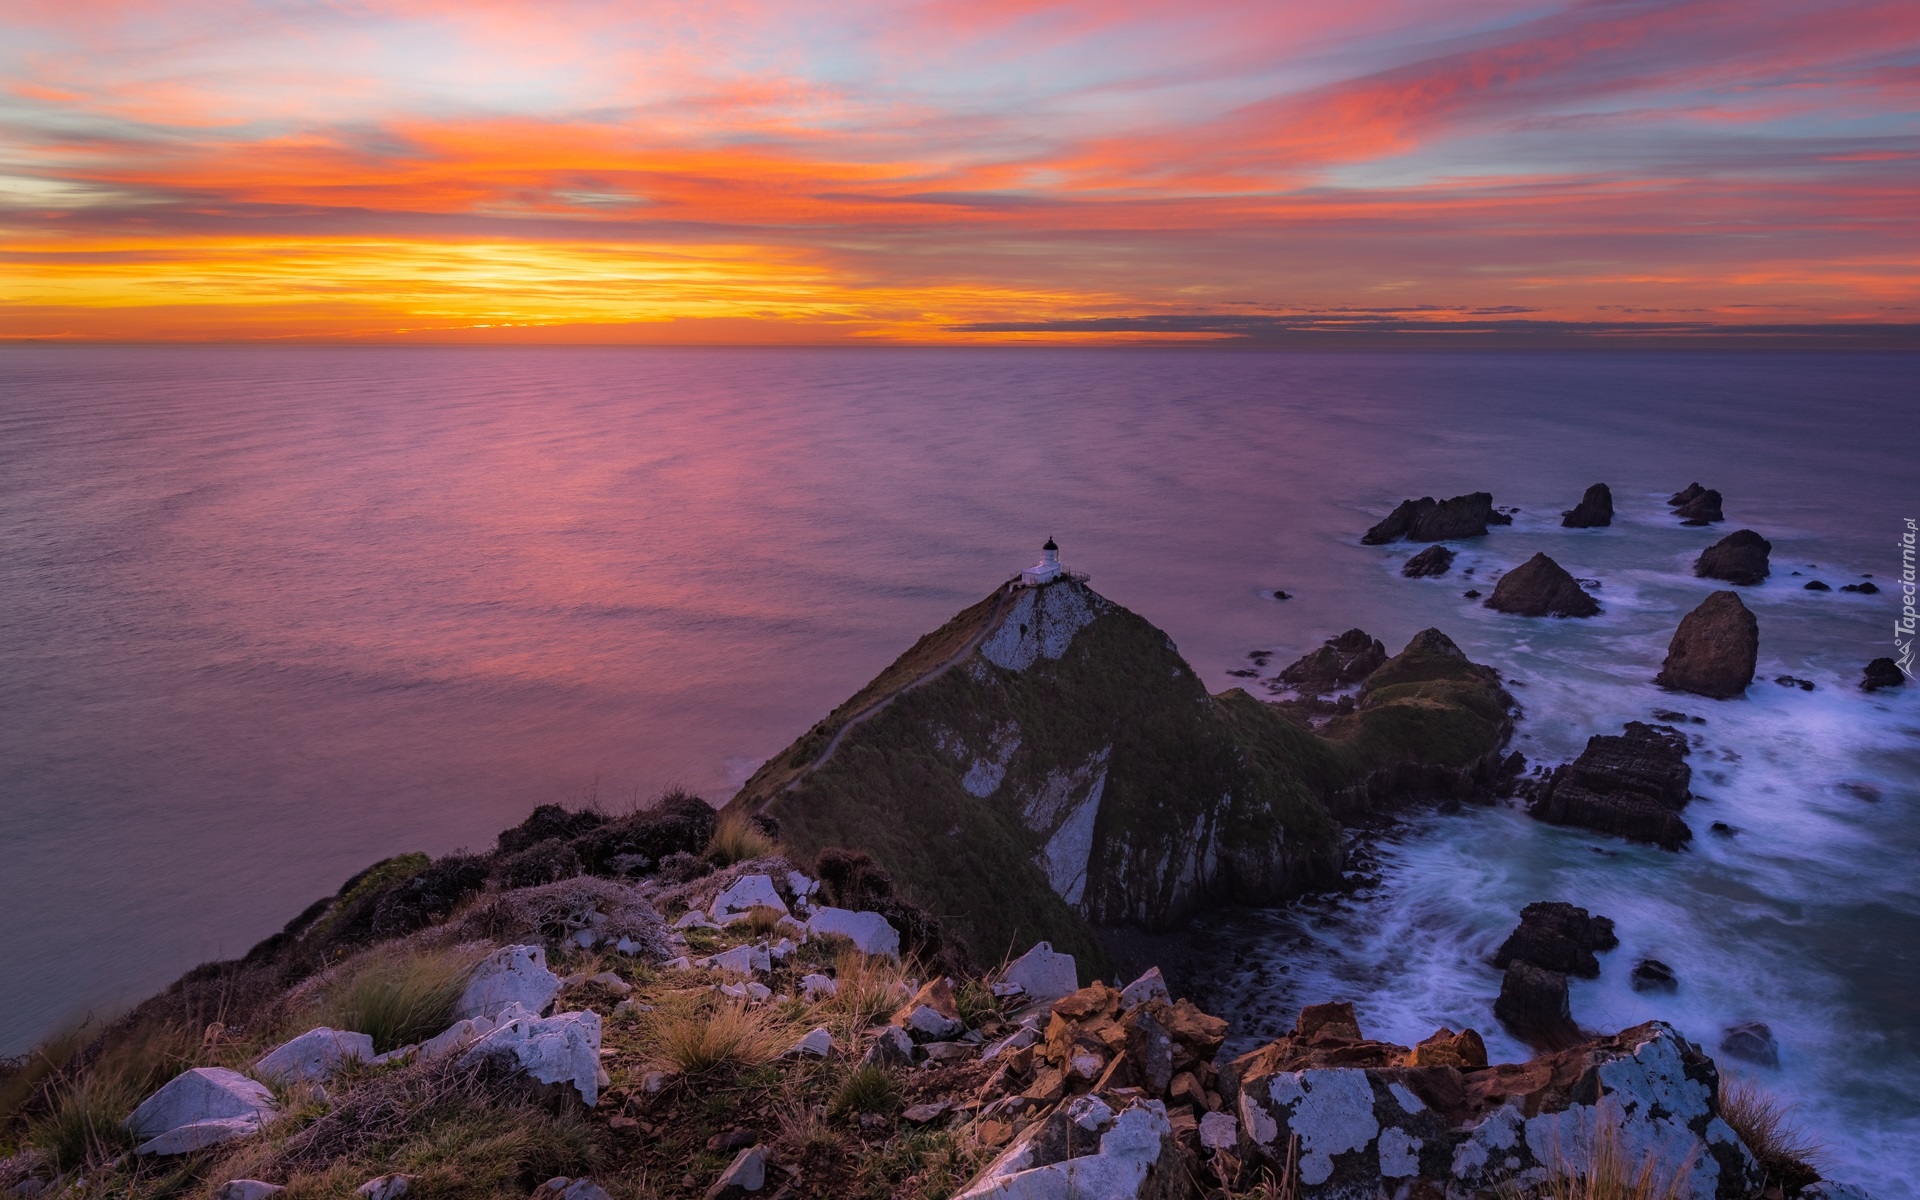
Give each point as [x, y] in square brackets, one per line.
[1046, 570]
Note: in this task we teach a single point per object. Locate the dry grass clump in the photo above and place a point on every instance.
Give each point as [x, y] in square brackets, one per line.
[736, 839]
[398, 997]
[85, 1103]
[1609, 1172]
[867, 1090]
[762, 919]
[708, 1036]
[870, 988]
[1790, 1156]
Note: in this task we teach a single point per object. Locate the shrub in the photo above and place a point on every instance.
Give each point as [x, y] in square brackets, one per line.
[704, 1039]
[548, 822]
[397, 997]
[736, 839]
[1788, 1155]
[866, 1090]
[869, 988]
[430, 896]
[679, 822]
[544, 862]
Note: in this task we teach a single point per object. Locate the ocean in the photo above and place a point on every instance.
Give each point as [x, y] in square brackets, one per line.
[272, 613]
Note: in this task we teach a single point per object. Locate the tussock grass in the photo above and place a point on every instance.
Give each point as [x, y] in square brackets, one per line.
[85, 1104]
[398, 997]
[762, 919]
[1788, 1154]
[869, 990]
[736, 838]
[1609, 1172]
[866, 1090]
[704, 1037]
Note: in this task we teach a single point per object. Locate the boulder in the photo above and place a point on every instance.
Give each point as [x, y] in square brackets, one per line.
[1150, 986]
[1685, 495]
[931, 1016]
[869, 932]
[1740, 557]
[1703, 509]
[1340, 662]
[1652, 975]
[744, 895]
[746, 1174]
[456, 1037]
[818, 987]
[818, 1043]
[1086, 1148]
[386, 1187]
[1815, 585]
[1559, 937]
[1533, 1005]
[1369, 1130]
[1430, 520]
[1751, 1041]
[313, 1056]
[198, 1108]
[1043, 973]
[1632, 785]
[742, 960]
[247, 1189]
[1882, 673]
[1149, 1050]
[560, 1052]
[1714, 650]
[510, 975]
[892, 1048]
[1594, 510]
[1433, 561]
[1541, 587]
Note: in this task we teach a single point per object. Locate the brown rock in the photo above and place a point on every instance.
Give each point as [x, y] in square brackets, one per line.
[1343, 660]
[1883, 673]
[1048, 1086]
[1594, 510]
[1186, 1088]
[1703, 509]
[1190, 1027]
[1430, 520]
[1446, 1048]
[1096, 999]
[1541, 587]
[1714, 650]
[1434, 560]
[1560, 937]
[1533, 1005]
[1632, 785]
[1333, 1020]
[1740, 557]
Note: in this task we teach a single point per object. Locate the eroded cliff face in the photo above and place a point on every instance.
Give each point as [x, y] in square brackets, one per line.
[1048, 762]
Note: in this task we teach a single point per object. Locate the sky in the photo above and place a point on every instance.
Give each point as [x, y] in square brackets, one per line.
[962, 171]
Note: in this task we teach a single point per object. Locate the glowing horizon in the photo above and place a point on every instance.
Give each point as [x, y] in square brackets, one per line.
[948, 172]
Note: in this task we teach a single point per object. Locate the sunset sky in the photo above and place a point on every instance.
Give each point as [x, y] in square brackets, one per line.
[960, 171]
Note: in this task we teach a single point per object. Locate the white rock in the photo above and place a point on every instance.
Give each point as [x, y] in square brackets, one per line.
[1003, 990]
[586, 939]
[1017, 1040]
[869, 932]
[745, 893]
[399, 1054]
[747, 1173]
[386, 1187]
[570, 1189]
[1219, 1131]
[683, 963]
[1043, 974]
[742, 960]
[510, 975]
[818, 1043]
[736, 990]
[780, 949]
[818, 987]
[693, 918]
[611, 982]
[313, 1055]
[1150, 986]
[563, 1049]
[455, 1038]
[198, 1108]
[800, 885]
[758, 991]
[1130, 1149]
[931, 1024]
[791, 928]
[627, 945]
[631, 1008]
[247, 1189]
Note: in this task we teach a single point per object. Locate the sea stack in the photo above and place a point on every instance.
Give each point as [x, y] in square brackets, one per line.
[1703, 509]
[1434, 560]
[1430, 520]
[1594, 510]
[1740, 557]
[1541, 587]
[1714, 650]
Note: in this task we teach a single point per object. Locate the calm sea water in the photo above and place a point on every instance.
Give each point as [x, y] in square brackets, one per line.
[270, 614]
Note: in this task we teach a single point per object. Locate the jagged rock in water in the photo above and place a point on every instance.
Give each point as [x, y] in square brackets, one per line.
[1862, 589]
[1685, 495]
[1534, 1006]
[1882, 673]
[1369, 1122]
[1703, 509]
[1052, 750]
[1815, 585]
[1541, 587]
[1714, 650]
[1559, 937]
[1594, 510]
[1632, 785]
[1652, 975]
[1434, 560]
[1430, 520]
[1740, 557]
[1340, 662]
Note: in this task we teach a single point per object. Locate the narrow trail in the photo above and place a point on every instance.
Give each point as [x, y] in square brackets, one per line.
[877, 707]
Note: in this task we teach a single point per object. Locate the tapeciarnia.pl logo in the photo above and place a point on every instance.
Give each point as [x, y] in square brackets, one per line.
[1903, 627]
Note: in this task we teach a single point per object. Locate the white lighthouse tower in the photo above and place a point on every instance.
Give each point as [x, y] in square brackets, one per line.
[1046, 570]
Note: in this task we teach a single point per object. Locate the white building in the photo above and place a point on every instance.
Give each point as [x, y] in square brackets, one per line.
[1046, 570]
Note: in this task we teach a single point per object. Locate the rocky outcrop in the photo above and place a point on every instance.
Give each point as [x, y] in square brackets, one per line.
[561, 1053]
[1594, 510]
[1882, 673]
[1714, 650]
[1740, 557]
[1363, 1120]
[1632, 785]
[1124, 1150]
[510, 976]
[1535, 1006]
[1430, 520]
[1702, 509]
[1433, 561]
[1685, 495]
[1541, 587]
[1341, 662]
[199, 1108]
[1560, 937]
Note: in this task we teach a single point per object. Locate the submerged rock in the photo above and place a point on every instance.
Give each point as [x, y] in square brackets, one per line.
[1814, 585]
[1652, 975]
[1863, 589]
[1594, 510]
[1430, 520]
[1632, 785]
[1560, 937]
[1882, 673]
[1541, 587]
[1340, 662]
[1714, 650]
[1434, 560]
[1751, 1041]
[1740, 557]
